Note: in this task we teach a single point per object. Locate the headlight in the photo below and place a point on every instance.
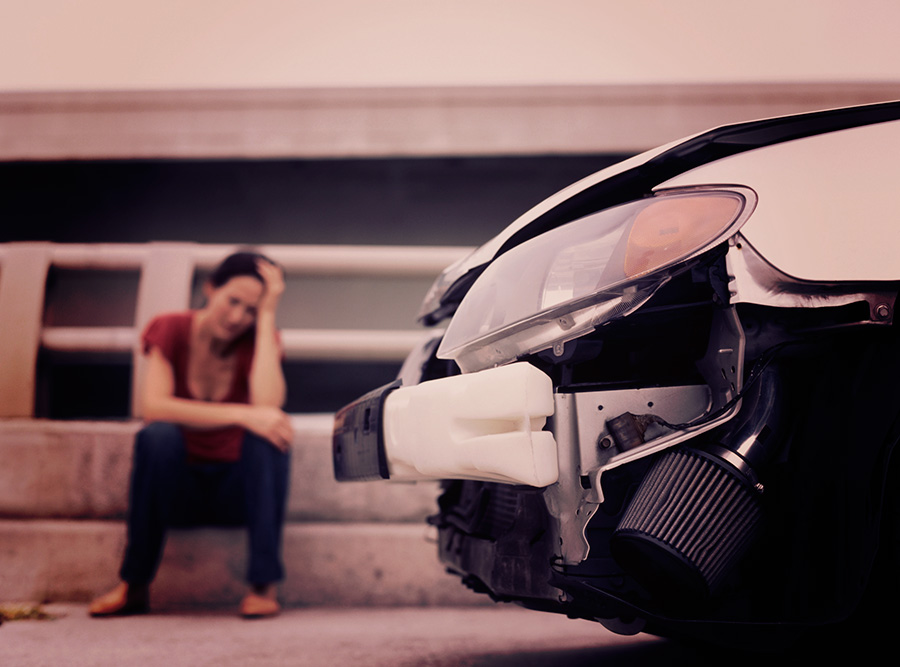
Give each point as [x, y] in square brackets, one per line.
[564, 283]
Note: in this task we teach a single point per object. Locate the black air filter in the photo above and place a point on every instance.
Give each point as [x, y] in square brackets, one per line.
[688, 524]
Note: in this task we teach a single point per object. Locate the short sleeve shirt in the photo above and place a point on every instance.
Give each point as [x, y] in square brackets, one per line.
[171, 335]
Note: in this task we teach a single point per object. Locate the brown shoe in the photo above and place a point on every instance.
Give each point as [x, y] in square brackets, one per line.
[260, 603]
[123, 600]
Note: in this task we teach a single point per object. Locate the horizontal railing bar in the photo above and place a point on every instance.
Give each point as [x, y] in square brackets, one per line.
[299, 344]
[349, 259]
[350, 345]
[107, 256]
[89, 339]
[296, 259]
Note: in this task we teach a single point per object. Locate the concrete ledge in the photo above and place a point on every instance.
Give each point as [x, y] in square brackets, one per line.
[81, 469]
[404, 120]
[326, 564]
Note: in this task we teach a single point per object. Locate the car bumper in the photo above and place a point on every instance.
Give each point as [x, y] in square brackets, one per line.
[485, 426]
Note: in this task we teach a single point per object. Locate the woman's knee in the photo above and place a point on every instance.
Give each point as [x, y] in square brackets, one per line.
[159, 441]
[263, 458]
[257, 446]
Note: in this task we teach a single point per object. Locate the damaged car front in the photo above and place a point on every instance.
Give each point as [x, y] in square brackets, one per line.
[665, 398]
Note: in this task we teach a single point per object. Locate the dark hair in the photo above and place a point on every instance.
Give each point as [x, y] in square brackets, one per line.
[238, 264]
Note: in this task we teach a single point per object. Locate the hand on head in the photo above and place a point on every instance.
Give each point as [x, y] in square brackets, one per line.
[273, 281]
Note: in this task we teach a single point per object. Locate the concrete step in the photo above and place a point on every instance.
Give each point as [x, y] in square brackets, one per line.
[347, 564]
[63, 496]
[79, 469]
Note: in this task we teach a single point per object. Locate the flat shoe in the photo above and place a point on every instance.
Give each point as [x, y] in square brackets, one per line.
[259, 606]
[123, 600]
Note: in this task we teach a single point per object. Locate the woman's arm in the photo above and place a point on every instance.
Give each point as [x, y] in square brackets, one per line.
[267, 383]
[161, 404]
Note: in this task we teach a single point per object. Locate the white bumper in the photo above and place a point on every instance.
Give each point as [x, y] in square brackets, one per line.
[480, 426]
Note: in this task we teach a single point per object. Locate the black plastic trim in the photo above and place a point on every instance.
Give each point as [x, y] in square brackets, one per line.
[358, 439]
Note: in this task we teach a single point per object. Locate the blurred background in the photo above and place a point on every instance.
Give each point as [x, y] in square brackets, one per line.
[411, 123]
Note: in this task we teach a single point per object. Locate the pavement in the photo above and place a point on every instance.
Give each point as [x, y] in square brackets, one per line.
[502, 635]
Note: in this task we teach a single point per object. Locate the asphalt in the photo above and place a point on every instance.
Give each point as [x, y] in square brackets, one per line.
[367, 637]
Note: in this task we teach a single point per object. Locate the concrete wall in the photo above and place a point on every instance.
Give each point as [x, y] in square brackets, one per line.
[190, 44]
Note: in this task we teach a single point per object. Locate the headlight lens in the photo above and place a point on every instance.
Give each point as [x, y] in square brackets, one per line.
[565, 282]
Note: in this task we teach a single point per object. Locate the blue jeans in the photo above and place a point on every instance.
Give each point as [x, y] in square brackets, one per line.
[167, 491]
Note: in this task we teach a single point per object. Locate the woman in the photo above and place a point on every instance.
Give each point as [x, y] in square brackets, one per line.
[217, 444]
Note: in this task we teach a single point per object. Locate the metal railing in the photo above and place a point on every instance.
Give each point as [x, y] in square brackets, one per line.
[166, 279]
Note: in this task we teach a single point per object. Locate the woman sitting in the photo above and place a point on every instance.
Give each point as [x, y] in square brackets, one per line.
[216, 448]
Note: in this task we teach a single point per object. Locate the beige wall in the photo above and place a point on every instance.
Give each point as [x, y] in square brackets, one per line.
[177, 44]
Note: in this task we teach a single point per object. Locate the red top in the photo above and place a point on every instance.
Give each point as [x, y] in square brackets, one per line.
[171, 335]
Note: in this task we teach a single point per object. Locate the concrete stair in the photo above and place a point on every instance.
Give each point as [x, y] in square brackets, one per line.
[63, 489]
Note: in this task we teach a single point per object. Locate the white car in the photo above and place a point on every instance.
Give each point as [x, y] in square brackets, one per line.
[666, 398]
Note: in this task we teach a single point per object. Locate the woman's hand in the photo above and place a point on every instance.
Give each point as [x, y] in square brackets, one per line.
[273, 281]
[270, 423]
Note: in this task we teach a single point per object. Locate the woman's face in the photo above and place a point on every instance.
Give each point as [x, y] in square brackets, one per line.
[231, 308]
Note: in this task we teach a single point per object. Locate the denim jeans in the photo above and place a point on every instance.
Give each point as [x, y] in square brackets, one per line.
[168, 491]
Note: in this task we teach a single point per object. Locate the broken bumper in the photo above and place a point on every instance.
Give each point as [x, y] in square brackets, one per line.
[482, 426]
